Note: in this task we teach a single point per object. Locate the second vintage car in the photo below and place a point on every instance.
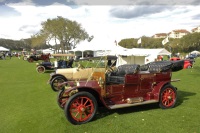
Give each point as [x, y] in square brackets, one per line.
[83, 70]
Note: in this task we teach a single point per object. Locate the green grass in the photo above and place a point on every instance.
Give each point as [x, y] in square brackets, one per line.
[28, 105]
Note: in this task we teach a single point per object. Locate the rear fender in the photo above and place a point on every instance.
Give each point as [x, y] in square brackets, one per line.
[157, 88]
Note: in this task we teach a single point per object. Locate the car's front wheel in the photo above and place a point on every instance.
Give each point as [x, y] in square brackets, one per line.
[62, 98]
[80, 108]
[56, 83]
[40, 69]
[189, 67]
[168, 96]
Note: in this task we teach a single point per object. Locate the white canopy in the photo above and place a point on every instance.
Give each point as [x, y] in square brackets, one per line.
[98, 47]
[139, 55]
[109, 47]
[3, 49]
[49, 50]
[195, 52]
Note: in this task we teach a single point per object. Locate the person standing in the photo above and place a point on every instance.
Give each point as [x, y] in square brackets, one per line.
[9, 54]
[4, 55]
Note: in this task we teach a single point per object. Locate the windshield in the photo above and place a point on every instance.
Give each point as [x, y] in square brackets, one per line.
[97, 62]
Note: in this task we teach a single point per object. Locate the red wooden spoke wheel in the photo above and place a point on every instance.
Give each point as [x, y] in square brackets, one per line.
[168, 97]
[80, 108]
[62, 98]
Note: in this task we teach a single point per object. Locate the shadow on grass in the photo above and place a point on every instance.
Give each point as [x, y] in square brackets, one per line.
[103, 112]
[49, 71]
[183, 96]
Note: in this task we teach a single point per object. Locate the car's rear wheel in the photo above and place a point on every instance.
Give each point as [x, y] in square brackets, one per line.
[24, 58]
[56, 83]
[40, 69]
[30, 60]
[80, 108]
[189, 67]
[168, 97]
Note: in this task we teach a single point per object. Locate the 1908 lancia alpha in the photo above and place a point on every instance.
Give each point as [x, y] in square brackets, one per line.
[127, 85]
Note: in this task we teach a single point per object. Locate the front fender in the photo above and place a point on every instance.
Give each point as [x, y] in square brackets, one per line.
[56, 75]
[53, 75]
[95, 92]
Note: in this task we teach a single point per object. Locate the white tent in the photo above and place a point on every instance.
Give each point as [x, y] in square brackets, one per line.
[125, 56]
[131, 56]
[49, 50]
[139, 56]
[153, 54]
[97, 48]
[3, 49]
[195, 52]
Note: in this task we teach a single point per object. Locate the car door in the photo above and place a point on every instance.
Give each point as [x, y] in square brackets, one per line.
[146, 82]
[131, 86]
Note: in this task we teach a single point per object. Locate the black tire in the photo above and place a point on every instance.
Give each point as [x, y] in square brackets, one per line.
[61, 99]
[80, 108]
[30, 60]
[56, 81]
[40, 69]
[189, 67]
[168, 97]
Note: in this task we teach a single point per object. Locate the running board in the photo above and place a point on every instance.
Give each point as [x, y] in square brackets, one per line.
[175, 80]
[116, 106]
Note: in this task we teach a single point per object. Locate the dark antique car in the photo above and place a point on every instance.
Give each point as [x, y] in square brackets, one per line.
[188, 63]
[44, 57]
[57, 64]
[127, 85]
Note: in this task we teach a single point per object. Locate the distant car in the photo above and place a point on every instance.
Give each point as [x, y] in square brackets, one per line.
[44, 57]
[43, 66]
[190, 57]
[175, 58]
[187, 62]
[67, 62]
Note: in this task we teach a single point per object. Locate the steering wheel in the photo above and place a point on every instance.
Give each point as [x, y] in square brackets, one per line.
[109, 69]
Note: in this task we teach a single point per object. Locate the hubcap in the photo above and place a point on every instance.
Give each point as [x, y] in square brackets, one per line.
[81, 109]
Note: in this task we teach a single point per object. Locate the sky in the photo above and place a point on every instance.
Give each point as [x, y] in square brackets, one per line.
[107, 19]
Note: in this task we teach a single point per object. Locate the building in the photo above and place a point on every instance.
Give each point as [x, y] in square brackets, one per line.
[178, 33]
[197, 29]
[160, 35]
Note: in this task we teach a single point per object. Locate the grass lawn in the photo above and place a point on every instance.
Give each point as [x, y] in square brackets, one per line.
[28, 105]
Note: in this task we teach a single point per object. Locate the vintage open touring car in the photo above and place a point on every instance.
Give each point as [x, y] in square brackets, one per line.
[44, 57]
[61, 61]
[127, 85]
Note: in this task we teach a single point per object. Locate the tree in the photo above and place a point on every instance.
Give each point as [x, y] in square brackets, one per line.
[69, 33]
